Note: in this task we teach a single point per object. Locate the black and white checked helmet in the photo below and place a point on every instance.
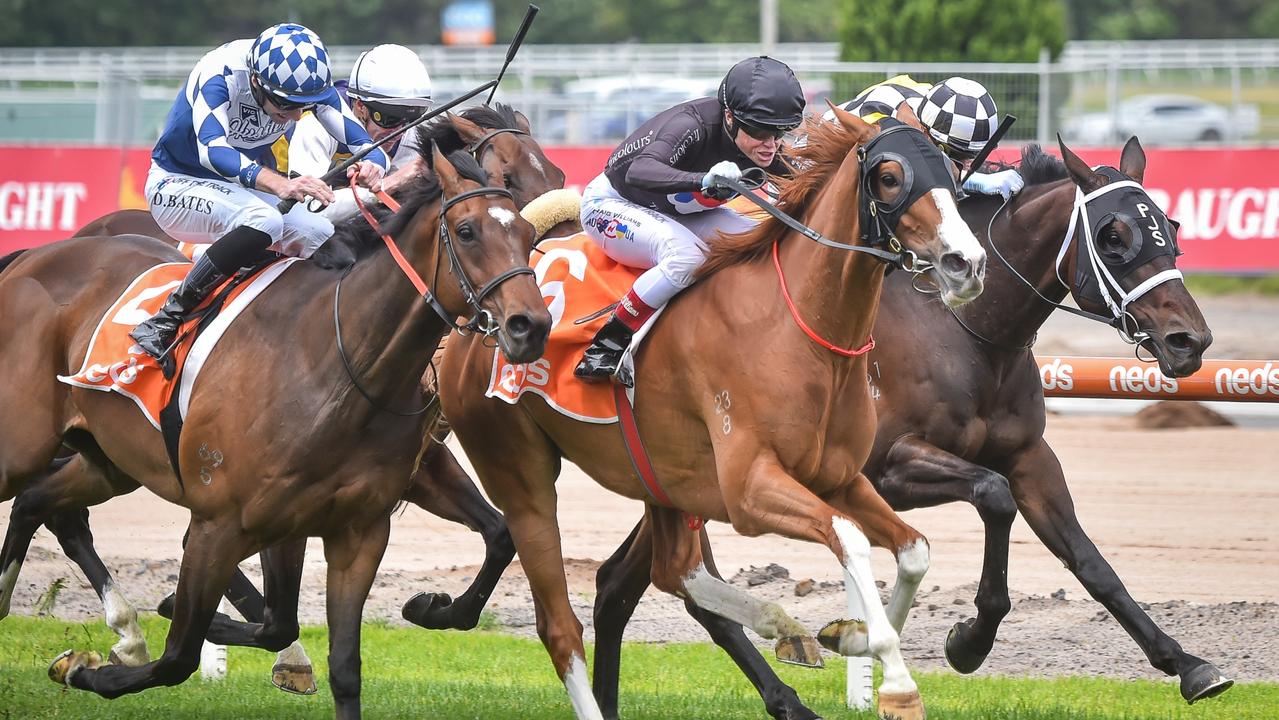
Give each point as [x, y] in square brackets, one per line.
[960, 115]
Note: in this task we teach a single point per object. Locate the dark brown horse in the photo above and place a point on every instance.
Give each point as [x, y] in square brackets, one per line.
[966, 424]
[736, 435]
[499, 138]
[350, 452]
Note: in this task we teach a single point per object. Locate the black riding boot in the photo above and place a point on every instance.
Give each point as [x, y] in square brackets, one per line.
[155, 335]
[603, 358]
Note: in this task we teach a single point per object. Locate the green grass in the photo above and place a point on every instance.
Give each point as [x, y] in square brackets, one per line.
[412, 673]
[1209, 284]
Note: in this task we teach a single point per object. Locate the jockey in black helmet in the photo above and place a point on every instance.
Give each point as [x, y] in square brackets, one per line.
[659, 201]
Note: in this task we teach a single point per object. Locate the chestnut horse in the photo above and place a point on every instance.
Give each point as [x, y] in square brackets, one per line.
[740, 431]
[352, 456]
[500, 139]
[967, 424]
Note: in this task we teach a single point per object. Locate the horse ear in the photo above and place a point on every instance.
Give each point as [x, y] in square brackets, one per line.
[855, 125]
[1132, 162]
[521, 122]
[1079, 171]
[906, 114]
[467, 130]
[444, 170]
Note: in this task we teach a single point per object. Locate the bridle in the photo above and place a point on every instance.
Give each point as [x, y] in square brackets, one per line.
[482, 321]
[1112, 293]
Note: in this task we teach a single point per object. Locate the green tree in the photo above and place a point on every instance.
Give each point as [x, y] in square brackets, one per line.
[951, 30]
[1167, 19]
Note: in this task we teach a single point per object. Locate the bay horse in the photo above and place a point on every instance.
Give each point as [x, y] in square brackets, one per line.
[750, 437]
[500, 139]
[967, 424]
[351, 456]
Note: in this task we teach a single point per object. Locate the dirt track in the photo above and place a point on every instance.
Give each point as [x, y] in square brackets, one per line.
[1187, 518]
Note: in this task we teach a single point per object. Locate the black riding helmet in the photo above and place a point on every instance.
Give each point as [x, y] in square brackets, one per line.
[763, 92]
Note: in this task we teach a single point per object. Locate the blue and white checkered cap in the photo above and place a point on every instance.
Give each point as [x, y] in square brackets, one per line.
[291, 62]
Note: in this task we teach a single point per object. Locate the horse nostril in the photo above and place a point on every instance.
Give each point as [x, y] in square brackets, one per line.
[1181, 342]
[518, 326]
[955, 264]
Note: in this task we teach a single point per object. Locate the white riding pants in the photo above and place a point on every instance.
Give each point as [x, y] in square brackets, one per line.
[200, 210]
[670, 248]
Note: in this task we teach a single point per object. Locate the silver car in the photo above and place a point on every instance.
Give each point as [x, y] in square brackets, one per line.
[1164, 120]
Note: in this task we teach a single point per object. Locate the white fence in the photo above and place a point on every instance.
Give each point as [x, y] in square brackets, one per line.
[597, 93]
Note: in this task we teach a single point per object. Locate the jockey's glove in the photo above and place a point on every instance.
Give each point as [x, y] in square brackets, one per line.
[1004, 183]
[720, 171]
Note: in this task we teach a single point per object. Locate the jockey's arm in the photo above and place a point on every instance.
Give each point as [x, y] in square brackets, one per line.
[298, 188]
[1005, 183]
[311, 148]
[402, 175]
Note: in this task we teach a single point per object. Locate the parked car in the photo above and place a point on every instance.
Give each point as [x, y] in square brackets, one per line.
[1164, 120]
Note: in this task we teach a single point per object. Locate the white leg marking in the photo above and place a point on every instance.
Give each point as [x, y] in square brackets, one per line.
[884, 643]
[912, 563]
[123, 619]
[579, 691]
[502, 215]
[294, 654]
[8, 580]
[768, 619]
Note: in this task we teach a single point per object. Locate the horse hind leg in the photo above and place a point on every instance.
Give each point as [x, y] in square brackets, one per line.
[678, 568]
[73, 534]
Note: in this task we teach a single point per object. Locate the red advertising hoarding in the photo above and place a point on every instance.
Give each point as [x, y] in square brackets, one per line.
[1227, 200]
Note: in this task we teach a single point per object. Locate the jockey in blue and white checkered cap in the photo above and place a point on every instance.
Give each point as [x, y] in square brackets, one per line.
[206, 184]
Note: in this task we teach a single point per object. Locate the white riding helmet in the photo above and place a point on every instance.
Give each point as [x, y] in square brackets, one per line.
[393, 82]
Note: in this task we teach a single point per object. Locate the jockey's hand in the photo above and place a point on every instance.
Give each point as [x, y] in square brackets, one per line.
[722, 170]
[1004, 183]
[300, 188]
[366, 174]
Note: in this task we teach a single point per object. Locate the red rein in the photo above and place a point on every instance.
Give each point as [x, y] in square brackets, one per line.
[794, 313]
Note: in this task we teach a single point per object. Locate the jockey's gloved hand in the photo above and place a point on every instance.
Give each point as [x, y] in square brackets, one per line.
[722, 170]
[1004, 183]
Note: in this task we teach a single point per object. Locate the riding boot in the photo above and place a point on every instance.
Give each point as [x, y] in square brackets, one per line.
[157, 334]
[603, 358]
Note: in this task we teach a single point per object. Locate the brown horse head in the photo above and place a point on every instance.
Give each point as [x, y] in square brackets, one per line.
[1135, 245]
[501, 140]
[919, 196]
[487, 234]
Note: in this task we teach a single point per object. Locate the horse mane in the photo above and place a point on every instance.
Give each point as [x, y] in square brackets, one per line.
[821, 156]
[440, 130]
[1038, 167]
[360, 236]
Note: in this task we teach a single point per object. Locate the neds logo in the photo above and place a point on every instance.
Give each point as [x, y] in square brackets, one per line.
[1141, 378]
[1262, 380]
[1057, 375]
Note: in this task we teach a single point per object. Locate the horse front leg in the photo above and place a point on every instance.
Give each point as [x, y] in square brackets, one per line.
[353, 558]
[680, 563]
[441, 487]
[207, 564]
[768, 499]
[917, 474]
[1040, 489]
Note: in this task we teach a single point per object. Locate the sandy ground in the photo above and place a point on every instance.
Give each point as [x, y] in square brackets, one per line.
[1187, 518]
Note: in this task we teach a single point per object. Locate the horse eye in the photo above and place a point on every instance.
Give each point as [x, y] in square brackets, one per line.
[888, 180]
[465, 233]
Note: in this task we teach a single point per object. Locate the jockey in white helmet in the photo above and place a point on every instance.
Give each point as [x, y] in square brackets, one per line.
[207, 183]
[389, 86]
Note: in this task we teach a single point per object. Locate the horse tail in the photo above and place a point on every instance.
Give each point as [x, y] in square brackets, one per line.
[8, 259]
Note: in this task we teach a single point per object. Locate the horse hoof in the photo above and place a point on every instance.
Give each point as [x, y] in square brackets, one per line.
[849, 638]
[296, 679]
[425, 609]
[69, 663]
[799, 650]
[165, 608]
[1204, 682]
[901, 706]
[959, 652]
